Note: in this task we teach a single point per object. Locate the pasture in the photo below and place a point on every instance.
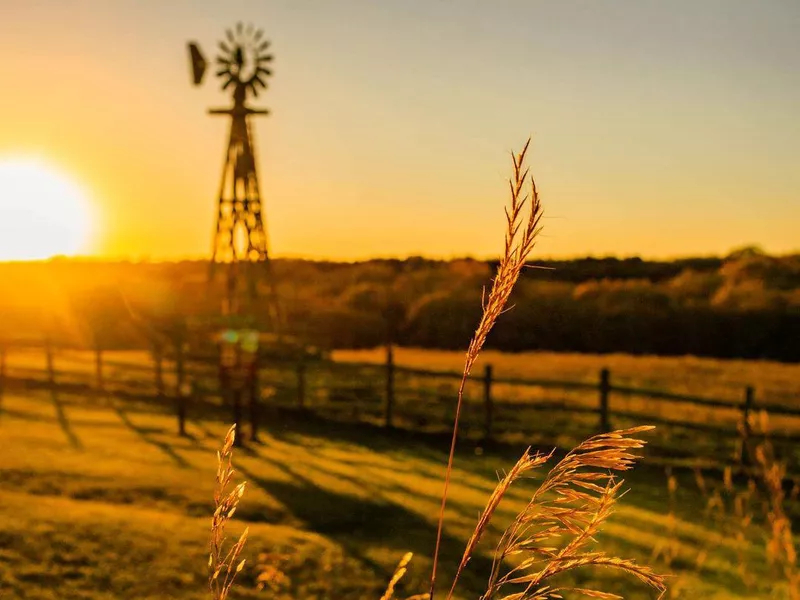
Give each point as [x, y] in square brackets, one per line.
[573, 408]
[532, 398]
[101, 499]
[780, 382]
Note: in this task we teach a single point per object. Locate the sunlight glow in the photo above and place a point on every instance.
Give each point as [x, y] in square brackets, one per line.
[42, 212]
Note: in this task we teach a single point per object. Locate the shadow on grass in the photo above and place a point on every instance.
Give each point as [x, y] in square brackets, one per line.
[204, 429]
[63, 422]
[145, 435]
[377, 480]
[647, 481]
[364, 526]
[361, 524]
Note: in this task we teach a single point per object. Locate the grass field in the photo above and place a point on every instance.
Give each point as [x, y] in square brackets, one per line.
[103, 501]
[725, 379]
[423, 403]
[722, 380]
[774, 382]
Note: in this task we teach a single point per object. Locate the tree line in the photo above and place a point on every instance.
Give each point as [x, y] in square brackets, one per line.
[746, 305]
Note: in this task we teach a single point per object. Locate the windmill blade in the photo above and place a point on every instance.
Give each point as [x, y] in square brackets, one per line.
[259, 81]
[249, 29]
[198, 63]
[254, 89]
[224, 47]
[228, 83]
[264, 58]
[229, 35]
[223, 71]
[239, 27]
[263, 70]
[263, 46]
[258, 35]
[223, 60]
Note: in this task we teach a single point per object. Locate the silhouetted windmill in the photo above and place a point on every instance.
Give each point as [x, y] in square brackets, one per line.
[240, 239]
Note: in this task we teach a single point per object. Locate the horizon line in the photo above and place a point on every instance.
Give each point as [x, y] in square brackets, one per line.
[431, 258]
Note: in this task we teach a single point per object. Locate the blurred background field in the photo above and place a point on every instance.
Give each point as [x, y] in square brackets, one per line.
[92, 388]
[539, 398]
[105, 501]
[780, 382]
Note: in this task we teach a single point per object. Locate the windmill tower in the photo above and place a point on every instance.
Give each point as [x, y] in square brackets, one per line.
[240, 238]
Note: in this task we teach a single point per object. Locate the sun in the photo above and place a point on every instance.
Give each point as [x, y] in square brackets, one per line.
[42, 212]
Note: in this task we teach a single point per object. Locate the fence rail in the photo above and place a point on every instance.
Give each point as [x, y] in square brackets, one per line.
[398, 396]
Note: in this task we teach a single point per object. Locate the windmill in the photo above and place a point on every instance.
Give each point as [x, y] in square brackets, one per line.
[240, 237]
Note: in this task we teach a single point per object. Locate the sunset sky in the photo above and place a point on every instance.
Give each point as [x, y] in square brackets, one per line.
[659, 128]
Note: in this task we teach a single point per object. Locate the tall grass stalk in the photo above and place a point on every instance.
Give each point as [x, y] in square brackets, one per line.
[521, 233]
[224, 565]
[552, 533]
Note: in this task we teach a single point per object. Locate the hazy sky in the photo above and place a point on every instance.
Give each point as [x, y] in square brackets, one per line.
[659, 128]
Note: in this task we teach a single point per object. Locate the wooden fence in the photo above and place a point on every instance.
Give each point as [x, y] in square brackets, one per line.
[495, 408]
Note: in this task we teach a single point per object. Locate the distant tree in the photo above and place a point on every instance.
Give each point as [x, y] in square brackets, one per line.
[442, 319]
[751, 251]
[693, 288]
[781, 273]
[747, 304]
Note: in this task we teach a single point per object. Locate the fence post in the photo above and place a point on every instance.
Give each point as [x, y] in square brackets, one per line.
[179, 367]
[746, 431]
[51, 370]
[158, 358]
[389, 386]
[2, 370]
[301, 383]
[255, 389]
[185, 392]
[605, 389]
[98, 364]
[488, 404]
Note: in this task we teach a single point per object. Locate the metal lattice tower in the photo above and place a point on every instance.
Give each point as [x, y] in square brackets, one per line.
[240, 238]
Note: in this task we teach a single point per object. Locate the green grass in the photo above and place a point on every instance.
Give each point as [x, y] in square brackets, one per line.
[101, 501]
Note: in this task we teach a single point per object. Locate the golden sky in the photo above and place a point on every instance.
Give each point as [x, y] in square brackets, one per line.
[659, 128]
